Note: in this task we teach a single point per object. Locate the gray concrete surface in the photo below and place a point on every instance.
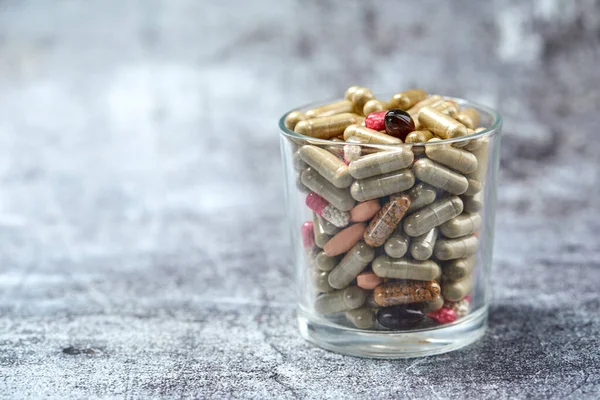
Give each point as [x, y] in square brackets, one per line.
[143, 247]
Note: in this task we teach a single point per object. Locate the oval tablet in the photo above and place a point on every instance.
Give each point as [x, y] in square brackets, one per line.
[364, 211]
[344, 240]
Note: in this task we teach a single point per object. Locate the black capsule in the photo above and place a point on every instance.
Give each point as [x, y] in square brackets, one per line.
[398, 123]
[399, 317]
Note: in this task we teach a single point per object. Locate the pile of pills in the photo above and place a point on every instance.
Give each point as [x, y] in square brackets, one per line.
[393, 239]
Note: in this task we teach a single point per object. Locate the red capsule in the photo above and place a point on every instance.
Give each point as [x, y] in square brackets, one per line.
[375, 120]
[444, 315]
[308, 236]
[398, 123]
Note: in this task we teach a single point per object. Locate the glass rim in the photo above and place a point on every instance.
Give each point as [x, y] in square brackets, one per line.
[492, 130]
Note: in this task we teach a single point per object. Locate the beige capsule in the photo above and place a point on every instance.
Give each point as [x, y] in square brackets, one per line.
[456, 270]
[329, 166]
[421, 247]
[299, 164]
[369, 136]
[440, 177]
[360, 97]
[340, 300]
[477, 177]
[457, 159]
[321, 237]
[351, 265]
[301, 187]
[292, 119]
[416, 109]
[396, 245]
[461, 225]
[350, 92]
[473, 188]
[405, 268]
[433, 305]
[475, 143]
[328, 227]
[324, 262]
[418, 137]
[473, 204]
[362, 318]
[469, 117]
[327, 110]
[435, 214]
[455, 291]
[448, 107]
[320, 281]
[421, 195]
[382, 185]
[340, 198]
[375, 105]
[442, 125]
[407, 99]
[325, 127]
[451, 249]
[380, 163]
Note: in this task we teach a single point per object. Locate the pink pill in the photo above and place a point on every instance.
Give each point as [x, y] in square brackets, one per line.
[444, 315]
[376, 120]
[364, 211]
[368, 280]
[308, 235]
[316, 203]
[344, 240]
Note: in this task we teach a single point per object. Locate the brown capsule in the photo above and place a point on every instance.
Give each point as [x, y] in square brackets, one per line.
[375, 105]
[440, 124]
[386, 220]
[350, 92]
[325, 127]
[418, 137]
[407, 99]
[360, 98]
[469, 117]
[293, 118]
[369, 136]
[327, 110]
[391, 294]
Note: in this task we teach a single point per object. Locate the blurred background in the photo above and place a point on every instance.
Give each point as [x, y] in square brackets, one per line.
[141, 193]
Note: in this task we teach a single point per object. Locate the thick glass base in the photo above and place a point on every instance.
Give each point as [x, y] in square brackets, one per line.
[390, 345]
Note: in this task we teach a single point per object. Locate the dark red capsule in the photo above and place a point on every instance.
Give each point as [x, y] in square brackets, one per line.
[375, 120]
[399, 317]
[398, 123]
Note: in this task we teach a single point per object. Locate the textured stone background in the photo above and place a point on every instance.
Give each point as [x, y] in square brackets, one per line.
[143, 248]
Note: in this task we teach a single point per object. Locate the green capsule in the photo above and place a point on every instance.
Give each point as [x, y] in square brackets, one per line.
[404, 268]
[439, 176]
[459, 160]
[380, 163]
[321, 238]
[346, 299]
[421, 195]
[363, 317]
[329, 166]
[450, 249]
[320, 281]
[351, 265]
[421, 247]
[324, 262]
[435, 214]
[382, 185]
[396, 245]
[340, 198]
[456, 270]
[461, 225]
[455, 291]
[473, 204]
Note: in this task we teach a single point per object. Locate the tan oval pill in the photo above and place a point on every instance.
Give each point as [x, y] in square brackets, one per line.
[329, 166]
[344, 240]
[338, 107]
[421, 247]
[340, 198]
[435, 214]
[363, 317]
[368, 280]
[381, 163]
[440, 176]
[364, 211]
[450, 249]
[351, 265]
[456, 270]
[456, 291]
[325, 127]
[442, 125]
[404, 268]
[324, 262]
[457, 159]
[382, 185]
[369, 136]
[340, 300]
[461, 225]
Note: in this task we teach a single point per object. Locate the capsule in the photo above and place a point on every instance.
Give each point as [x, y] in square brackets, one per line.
[374, 106]
[475, 143]
[351, 265]
[457, 159]
[456, 291]
[442, 125]
[405, 268]
[418, 137]
[369, 136]
[340, 300]
[382, 185]
[421, 247]
[448, 107]
[321, 238]
[350, 92]
[416, 109]
[325, 127]
[456, 270]
[391, 294]
[461, 225]
[360, 97]
[292, 119]
[386, 220]
[439, 176]
[352, 152]
[433, 305]
[362, 318]
[364, 211]
[339, 107]
[407, 99]
[381, 163]
[397, 245]
[469, 117]
[324, 262]
[340, 198]
[473, 204]
[328, 227]
[400, 317]
[320, 281]
[474, 187]
[329, 166]
[398, 123]
[421, 195]
[450, 249]
[308, 235]
[344, 240]
[478, 175]
[435, 214]
[299, 164]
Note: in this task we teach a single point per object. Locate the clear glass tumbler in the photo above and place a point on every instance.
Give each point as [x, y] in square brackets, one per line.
[370, 295]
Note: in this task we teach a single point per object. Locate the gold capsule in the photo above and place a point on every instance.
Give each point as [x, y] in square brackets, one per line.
[440, 124]
[469, 117]
[456, 270]
[293, 118]
[340, 300]
[386, 220]
[350, 92]
[433, 305]
[325, 127]
[382, 185]
[448, 107]
[456, 291]
[457, 159]
[416, 109]
[405, 268]
[381, 163]
[324, 262]
[473, 204]
[340, 198]
[421, 247]
[327, 110]
[475, 143]
[375, 105]
[418, 137]
[439, 176]
[421, 195]
[320, 281]
[391, 294]
[435, 214]
[360, 97]
[407, 99]
[477, 177]
[357, 258]
[362, 318]
[321, 237]
[461, 225]
[329, 166]
[450, 249]
[396, 245]
[369, 136]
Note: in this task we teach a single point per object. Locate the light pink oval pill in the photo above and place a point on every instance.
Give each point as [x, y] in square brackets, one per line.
[344, 240]
[368, 280]
[364, 211]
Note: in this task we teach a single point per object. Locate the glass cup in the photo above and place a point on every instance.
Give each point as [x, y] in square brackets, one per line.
[415, 231]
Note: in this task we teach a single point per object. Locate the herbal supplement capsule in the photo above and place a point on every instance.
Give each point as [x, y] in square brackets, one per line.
[457, 159]
[450, 249]
[469, 117]
[369, 136]
[382, 185]
[344, 240]
[407, 99]
[418, 137]
[461, 225]
[362, 318]
[421, 247]
[435, 214]
[329, 166]
[404, 268]
[324, 262]
[364, 211]
[442, 125]
[421, 195]
[350, 92]
[292, 119]
[351, 265]
[475, 143]
[478, 175]
[459, 269]
[340, 300]
[448, 107]
[321, 238]
[320, 281]
[400, 317]
[360, 98]
[352, 152]
[433, 305]
[391, 294]
[398, 123]
[339, 107]
[386, 220]
[374, 106]
[474, 187]
[439, 176]
[308, 235]
[397, 245]
[381, 163]
[368, 280]
[455, 291]
[325, 127]
[299, 164]
[327, 226]
[340, 198]
[416, 109]
[329, 213]
[473, 204]
[299, 185]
